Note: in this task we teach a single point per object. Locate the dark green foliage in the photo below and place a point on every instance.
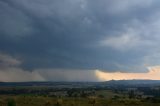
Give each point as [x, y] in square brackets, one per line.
[101, 96]
[11, 102]
[131, 94]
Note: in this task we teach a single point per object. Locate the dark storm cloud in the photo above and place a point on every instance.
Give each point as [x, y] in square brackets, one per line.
[79, 34]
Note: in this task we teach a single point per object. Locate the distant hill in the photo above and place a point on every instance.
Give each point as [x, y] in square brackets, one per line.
[133, 82]
[85, 84]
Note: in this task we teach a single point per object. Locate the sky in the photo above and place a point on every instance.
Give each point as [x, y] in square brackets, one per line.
[79, 40]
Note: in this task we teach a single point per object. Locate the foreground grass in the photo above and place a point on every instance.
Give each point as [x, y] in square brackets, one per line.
[89, 101]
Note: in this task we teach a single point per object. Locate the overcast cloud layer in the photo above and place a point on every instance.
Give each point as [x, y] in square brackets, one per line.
[77, 36]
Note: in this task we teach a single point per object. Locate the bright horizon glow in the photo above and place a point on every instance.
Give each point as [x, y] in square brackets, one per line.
[152, 74]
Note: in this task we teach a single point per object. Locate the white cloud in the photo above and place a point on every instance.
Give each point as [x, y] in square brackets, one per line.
[152, 74]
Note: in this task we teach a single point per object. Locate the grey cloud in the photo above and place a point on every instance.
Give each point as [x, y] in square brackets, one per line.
[10, 72]
[67, 34]
[20, 75]
[14, 22]
[68, 75]
[8, 61]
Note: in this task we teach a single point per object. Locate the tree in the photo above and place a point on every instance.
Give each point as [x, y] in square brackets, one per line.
[131, 94]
